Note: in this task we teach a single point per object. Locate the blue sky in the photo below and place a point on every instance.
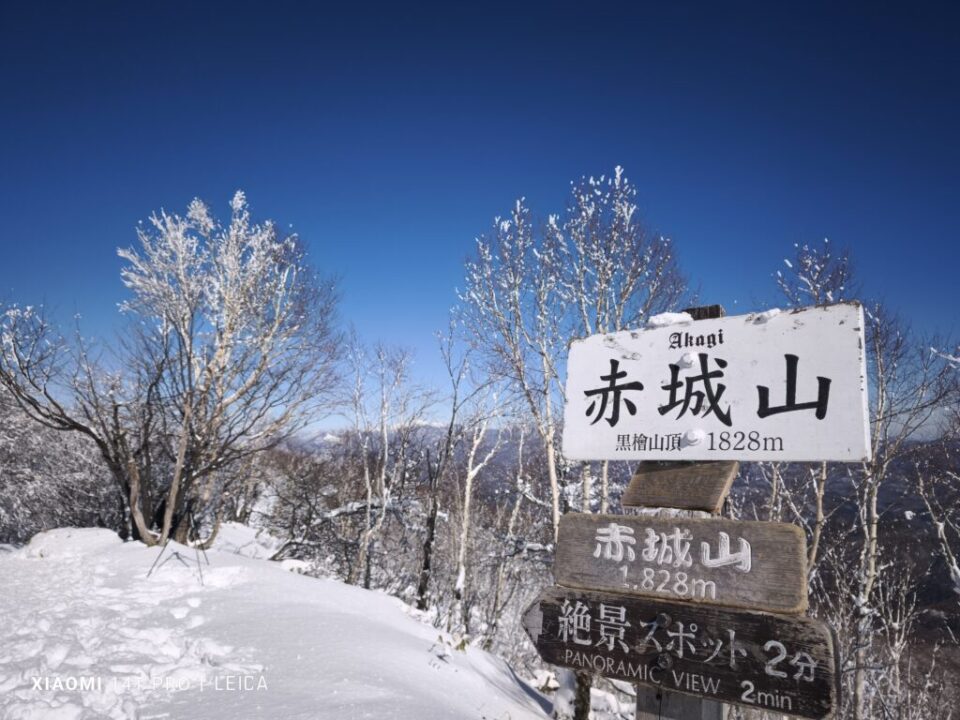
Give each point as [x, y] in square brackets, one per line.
[389, 136]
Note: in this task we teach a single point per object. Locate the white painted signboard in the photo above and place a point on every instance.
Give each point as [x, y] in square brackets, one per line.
[785, 385]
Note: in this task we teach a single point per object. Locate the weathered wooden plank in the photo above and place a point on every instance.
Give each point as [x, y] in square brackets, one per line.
[688, 486]
[745, 564]
[705, 312]
[760, 660]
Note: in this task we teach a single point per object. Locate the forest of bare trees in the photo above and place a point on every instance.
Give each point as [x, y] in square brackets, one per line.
[233, 394]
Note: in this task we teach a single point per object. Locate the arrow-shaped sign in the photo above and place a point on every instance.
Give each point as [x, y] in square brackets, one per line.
[759, 660]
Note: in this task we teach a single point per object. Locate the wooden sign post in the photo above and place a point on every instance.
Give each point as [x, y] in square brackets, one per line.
[702, 612]
[759, 660]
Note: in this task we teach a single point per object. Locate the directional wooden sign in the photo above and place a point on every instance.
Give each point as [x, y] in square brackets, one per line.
[768, 662]
[768, 386]
[754, 565]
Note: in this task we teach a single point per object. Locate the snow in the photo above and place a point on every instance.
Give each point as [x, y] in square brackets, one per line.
[668, 318]
[85, 632]
[241, 540]
[566, 693]
[955, 576]
[765, 316]
[952, 359]
[66, 543]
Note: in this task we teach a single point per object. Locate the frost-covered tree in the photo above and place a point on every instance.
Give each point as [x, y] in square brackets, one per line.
[909, 389]
[532, 288]
[619, 272]
[868, 597]
[230, 348]
[513, 305]
[816, 275]
[480, 450]
[388, 412]
[49, 479]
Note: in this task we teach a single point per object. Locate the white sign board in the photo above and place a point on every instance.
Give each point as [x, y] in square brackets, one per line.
[785, 385]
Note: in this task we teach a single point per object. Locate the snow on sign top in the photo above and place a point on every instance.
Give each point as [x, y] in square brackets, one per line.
[785, 385]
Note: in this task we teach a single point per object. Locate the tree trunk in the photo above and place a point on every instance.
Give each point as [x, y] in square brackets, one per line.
[587, 486]
[554, 484]
[367, 565]
[177, 480]
[140, 530]
[773, 512]
[423, 582]
[581, 700]
[502, 561]
[360, 572]
[868, 576]
[182, 530]
[604, 486]
[208, 541]
[819, 520]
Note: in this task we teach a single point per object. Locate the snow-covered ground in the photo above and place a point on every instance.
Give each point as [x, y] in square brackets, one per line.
[84, 633]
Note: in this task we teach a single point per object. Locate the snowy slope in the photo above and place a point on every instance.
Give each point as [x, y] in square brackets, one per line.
[84, 633]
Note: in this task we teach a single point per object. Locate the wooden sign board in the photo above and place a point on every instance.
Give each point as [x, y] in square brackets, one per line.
[688, 486]
[753, 565]
[768, 386]
[767, 662]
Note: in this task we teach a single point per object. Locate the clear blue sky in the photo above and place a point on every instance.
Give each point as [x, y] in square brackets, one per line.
[389, 136]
